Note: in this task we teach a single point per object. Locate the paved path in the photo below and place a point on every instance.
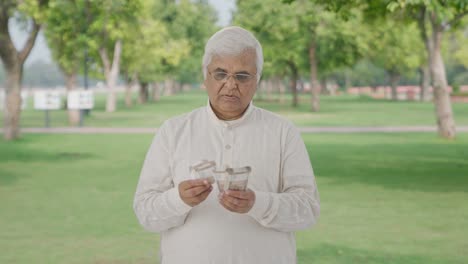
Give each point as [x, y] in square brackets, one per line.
[142, 130]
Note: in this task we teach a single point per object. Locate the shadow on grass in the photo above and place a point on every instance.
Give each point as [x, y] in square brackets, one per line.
[326, 253]
[7, 177]
[13, 153]
[20, 152]
[432, 167]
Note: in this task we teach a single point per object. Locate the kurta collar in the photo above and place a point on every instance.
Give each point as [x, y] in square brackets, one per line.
[231, 123]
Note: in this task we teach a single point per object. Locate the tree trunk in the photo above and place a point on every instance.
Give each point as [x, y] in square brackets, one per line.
[347, 79]
[323, 86]
[169, 87]
[394, 80]
[128, 94]
[13, 61]
[144, 93]
[314, 82]
[269, 90]
[73, 114]
[424, 82]
[425, 70]
[293, 83]
[177, 87]
[282, 92]
[333, 87]
[130, 82]
[156, 92]
[186, 87]
[12, 110]
[111, 72]
[443, 105]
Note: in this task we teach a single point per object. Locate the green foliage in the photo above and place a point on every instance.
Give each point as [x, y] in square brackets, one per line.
[365, 73]
[168, 40]
[459, 43]
[287, 30]
[455, 52]
[195, 22]
[147, 44]
[189, 23]
[66, 33]
[396, 47]
[341, 42]
[34, 9]
[109, 21]
[277, 28]
[73, 26]
[444, 11]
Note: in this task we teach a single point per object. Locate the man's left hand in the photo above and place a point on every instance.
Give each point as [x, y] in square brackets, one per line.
[237, 201]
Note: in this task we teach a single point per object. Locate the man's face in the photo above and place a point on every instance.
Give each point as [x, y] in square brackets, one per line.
[230, 96]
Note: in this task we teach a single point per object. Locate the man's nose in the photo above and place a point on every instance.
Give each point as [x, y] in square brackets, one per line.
[231, 82]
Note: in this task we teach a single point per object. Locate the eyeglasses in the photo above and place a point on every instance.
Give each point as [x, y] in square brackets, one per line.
[224, 76]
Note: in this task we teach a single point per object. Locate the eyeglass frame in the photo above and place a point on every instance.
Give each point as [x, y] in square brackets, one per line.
[234, 75]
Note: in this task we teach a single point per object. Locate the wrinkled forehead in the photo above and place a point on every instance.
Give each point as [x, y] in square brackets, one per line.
[243, 61]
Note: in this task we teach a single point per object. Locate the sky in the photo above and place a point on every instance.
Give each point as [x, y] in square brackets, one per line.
[42, 52]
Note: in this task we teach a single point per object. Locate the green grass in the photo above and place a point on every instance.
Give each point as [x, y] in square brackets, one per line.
[385, 198]
[344, 110]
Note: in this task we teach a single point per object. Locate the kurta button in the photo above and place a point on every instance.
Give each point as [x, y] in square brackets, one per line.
[228, 146]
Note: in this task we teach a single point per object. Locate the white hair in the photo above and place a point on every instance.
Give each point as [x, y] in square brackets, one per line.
[232, 41]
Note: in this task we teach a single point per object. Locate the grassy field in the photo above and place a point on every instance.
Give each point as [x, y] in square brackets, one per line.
[386, 198]
[342, 110]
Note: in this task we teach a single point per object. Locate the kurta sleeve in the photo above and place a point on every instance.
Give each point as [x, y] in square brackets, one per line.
[297, 205]
[157, 203]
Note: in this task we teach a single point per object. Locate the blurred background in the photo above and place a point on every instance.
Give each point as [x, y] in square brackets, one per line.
[379, 89]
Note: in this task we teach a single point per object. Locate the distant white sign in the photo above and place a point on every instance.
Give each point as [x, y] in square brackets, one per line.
[24, 100]
[47, 100]
[83, 99]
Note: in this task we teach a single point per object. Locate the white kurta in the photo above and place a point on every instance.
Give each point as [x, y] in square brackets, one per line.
[287, 198]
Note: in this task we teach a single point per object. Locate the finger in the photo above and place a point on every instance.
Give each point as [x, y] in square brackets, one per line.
[200, 198]
[227, 205]
[234, 202]
[185, 185]
[205, 194]
[243, 195]
[195, 191]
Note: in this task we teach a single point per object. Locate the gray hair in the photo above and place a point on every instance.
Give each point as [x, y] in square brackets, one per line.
[232, 41]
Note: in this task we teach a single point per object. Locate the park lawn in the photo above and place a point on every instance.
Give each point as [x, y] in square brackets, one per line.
[343, 110]
[385, 198]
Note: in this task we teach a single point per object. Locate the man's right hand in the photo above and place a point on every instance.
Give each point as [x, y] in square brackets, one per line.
[193, 192]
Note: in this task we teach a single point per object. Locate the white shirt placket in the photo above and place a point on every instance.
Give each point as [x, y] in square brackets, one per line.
[228, 146]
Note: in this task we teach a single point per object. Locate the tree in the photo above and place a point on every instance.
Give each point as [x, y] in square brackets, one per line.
[456, 56]
[334, 43]
[396, 48]
[194, 21]
[110, 22]
[277, 28]
[303, 36]
[435, 18]
[151, 48]
[65, 32]
[32, 12]
[190, 23]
